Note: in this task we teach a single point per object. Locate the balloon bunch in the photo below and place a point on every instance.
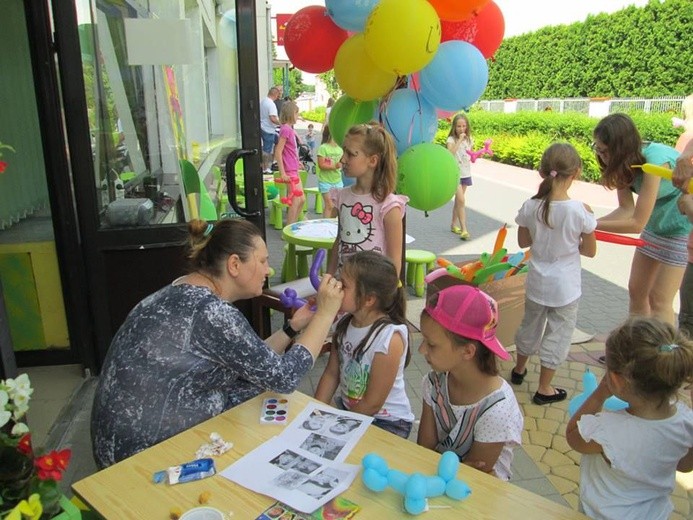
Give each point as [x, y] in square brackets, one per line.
[493, 266]
[416, 488]
[401, 61]
[589, 385]
[485, 150]
[291, 190]
[289, 298]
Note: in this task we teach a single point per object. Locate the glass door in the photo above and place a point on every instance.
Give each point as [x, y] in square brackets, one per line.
[163, 91]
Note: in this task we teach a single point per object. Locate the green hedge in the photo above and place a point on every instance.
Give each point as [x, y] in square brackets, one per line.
[317, 115]
[635, 52]
[520, 139]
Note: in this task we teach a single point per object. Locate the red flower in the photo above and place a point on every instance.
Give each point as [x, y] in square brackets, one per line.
[24, 445]
[3, 166]
[52, 465]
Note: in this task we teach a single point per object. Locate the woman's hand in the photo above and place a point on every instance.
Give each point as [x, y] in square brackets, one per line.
[302, 316]
[330, 295]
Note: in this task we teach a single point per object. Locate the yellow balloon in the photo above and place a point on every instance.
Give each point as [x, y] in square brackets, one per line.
[402, 36]
[356, 73]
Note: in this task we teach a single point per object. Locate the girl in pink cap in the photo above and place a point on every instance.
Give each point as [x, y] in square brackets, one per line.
[467, 407]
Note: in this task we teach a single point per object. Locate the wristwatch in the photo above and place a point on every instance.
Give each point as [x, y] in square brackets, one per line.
[289, 331]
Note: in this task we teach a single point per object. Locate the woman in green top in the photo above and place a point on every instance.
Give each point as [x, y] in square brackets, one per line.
[328, 170]
[658, 266]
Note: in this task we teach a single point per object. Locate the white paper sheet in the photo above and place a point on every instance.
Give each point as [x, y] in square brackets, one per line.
[302, 467]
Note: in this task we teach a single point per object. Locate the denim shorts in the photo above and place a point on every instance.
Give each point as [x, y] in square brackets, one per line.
[269, 139]
[399, 427]
[324, 187]
[465, 181]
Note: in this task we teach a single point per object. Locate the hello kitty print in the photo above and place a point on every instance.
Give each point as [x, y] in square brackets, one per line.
[361, 221]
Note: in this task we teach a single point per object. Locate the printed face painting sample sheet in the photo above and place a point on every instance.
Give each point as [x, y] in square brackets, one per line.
[303, 466]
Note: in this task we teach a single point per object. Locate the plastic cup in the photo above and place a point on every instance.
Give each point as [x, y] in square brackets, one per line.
[203, 513]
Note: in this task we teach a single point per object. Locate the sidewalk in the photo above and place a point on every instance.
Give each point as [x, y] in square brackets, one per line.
[544, 464]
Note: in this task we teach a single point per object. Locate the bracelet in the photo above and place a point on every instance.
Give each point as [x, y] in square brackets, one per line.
[289, 331]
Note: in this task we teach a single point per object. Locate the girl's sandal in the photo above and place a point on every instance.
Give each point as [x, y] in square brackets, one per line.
[464, 235]
[456, 230]
[558, 395]
[516, 378]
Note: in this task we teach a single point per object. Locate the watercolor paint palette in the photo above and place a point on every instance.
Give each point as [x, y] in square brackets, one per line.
[275, 410]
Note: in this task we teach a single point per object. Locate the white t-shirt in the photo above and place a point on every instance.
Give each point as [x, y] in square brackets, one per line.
[267, 109]
[354, 374]
[554, 269]
[462, 157]
[495, 418]
[643, 455]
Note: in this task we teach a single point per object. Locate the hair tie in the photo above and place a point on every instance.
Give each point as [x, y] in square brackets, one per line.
[553, 173]
[668, 348]
[209, 229]
[399, 284]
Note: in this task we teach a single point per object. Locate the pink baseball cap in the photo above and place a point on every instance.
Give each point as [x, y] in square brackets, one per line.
[469, 312]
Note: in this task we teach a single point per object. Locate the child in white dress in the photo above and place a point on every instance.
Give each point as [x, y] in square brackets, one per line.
[630, 457]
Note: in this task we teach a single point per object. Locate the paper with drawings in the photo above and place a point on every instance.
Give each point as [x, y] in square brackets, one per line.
[303, 466]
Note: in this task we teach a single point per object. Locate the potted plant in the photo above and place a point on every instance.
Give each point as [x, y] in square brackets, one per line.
[28, 483]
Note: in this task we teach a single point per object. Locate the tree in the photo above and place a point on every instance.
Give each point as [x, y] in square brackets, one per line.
[296, 86]
[331, 84]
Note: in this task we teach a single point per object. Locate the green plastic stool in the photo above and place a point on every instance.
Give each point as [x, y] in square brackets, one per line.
[301, 263]
[317, 198]
[418, 264]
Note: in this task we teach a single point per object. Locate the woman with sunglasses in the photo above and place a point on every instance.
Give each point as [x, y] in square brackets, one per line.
[658, 266]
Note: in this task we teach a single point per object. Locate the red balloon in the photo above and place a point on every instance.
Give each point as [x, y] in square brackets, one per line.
[312, 39]
[485, 30]
[457, 9]
[618, 239]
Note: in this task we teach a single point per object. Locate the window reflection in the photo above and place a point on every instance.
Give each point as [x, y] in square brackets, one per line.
[162, 94]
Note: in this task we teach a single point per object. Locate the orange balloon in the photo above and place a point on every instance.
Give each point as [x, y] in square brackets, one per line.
[457, 9]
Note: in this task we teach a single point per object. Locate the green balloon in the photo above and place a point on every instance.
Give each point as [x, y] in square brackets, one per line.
[428, 174]
[272, 191]
[346, 113]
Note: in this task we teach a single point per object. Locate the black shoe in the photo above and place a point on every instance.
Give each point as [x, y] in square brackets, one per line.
[559, 395]
[516, 378]
[602, 360]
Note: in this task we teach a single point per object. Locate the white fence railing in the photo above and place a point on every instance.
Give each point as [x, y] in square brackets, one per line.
[597, 107]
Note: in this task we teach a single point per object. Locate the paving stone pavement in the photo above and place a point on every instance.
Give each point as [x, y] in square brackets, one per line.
[544, 464]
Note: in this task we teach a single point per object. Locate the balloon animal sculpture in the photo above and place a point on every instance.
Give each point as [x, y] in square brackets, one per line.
[416, 488]
[589, 385]
[289, 297]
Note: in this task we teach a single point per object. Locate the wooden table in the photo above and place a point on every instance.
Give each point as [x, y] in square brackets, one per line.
[126, 491]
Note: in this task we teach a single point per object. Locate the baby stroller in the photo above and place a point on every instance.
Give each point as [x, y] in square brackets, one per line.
[306, 158]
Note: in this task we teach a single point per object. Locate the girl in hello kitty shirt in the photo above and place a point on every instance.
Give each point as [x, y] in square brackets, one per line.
[369, 213]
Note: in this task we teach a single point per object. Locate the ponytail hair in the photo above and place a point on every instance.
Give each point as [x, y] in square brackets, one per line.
[211, 243]
[374, 274]
[652, 356]
[378, 141]
[559, 161]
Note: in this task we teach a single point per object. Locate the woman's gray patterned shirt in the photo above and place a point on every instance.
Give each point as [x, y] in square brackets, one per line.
[182, 356]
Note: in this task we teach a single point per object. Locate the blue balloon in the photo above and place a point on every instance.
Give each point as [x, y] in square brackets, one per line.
[457, 490]
[435, 486]
[456, 76]
[350, 14]
[589, 385]
[416, 486]
[374, 480]
[414, 506]
[397, 480]
[448, 465]
[409, 118]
